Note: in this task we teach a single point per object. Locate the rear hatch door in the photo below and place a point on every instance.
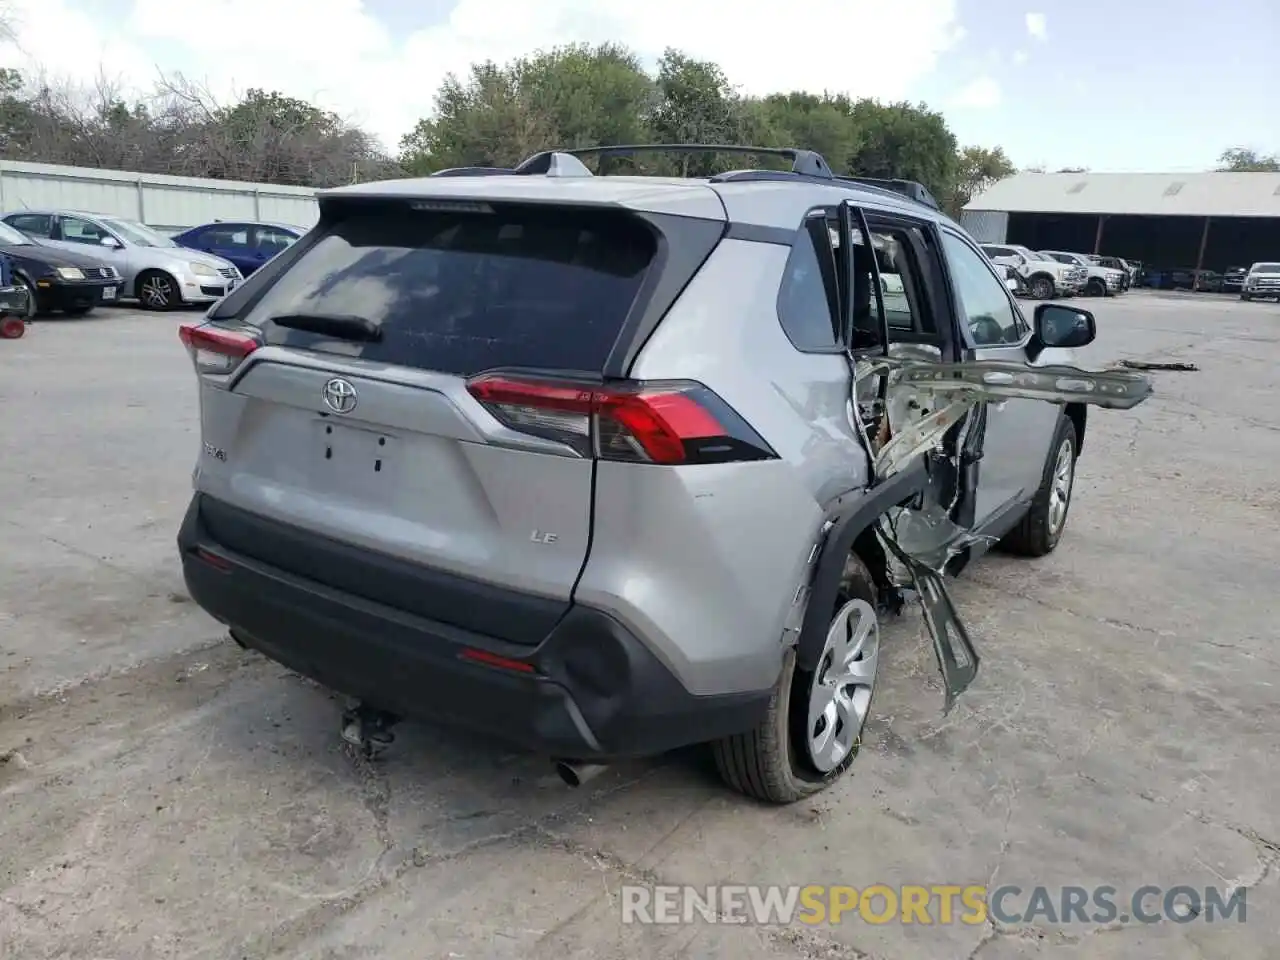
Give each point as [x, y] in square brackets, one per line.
[353, 420]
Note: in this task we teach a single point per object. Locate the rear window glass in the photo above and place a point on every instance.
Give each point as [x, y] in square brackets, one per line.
[464, 292]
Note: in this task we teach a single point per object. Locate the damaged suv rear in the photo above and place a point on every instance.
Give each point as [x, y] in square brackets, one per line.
[605, 466]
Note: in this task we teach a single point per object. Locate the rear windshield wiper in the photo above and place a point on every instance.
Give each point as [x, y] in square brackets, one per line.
[338, 325]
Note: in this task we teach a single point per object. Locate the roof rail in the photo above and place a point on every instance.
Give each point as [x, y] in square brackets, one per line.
[907, 188]
[785, 176]
[802, 161]
[805, 165]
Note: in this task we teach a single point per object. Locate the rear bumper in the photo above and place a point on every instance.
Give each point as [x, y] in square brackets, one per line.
[590, 691]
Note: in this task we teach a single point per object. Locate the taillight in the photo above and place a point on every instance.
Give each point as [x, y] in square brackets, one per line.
[663, 423]
[214, 349]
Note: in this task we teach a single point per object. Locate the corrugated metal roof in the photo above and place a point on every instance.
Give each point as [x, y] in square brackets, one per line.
[1136, 194]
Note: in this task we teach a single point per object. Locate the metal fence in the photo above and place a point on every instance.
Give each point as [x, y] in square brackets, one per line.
[169, 204]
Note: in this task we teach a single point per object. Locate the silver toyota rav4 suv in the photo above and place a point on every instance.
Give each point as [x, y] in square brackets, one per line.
[605, 466]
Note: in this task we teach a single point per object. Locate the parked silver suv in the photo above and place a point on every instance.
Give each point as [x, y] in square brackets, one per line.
[605, 466]
[158, 272]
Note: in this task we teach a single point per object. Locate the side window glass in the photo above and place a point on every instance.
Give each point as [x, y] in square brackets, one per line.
[806, 299]
[34, 225]
[271, 240]
[76, 230]
[984, 301]
[901, 284]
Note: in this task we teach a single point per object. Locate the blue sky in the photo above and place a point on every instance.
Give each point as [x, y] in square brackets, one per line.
[1118, 86]
[1104, 85]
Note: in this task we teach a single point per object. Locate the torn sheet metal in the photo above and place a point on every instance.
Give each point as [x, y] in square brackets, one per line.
[957, 657]
[999, 380]
[1159, 365]
[917, 436]
[915, 427]
[923, 400]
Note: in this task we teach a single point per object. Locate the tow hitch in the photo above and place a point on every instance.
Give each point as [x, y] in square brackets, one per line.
[368, 729]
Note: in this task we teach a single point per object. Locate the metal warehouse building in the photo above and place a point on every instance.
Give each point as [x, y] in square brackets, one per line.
[1175, 220]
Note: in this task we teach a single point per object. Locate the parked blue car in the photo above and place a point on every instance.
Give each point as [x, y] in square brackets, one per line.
[245, 243]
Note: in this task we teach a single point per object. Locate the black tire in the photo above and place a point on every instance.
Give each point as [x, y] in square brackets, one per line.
[1245, 297]
[770, 763]
[157, 290]
[1035, 535]
[78, 311]
[20, 281]
[1095, 288]
[1041, 287]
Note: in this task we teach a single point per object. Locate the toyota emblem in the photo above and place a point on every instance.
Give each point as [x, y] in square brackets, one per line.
[340, 395]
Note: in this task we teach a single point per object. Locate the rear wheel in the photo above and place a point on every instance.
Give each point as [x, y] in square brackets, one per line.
[157, 290]
[1245, 296]
[1096, 288]
[1040, 530]
[813, 729]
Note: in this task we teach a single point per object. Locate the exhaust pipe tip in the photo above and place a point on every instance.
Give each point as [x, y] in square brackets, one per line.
[576, 774]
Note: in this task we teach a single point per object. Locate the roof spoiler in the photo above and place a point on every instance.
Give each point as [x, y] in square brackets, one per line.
[807, 164]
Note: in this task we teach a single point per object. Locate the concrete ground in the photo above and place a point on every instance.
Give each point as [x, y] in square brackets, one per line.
[164, 795]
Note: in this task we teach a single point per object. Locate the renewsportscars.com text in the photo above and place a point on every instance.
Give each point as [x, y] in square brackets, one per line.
[932, 904]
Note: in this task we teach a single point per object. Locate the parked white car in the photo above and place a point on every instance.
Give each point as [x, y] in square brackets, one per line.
[1102, 281]
[158, 272]
[1042, 276]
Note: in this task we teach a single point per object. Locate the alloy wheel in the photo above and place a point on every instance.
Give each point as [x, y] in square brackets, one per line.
[157, 291]
[1060, 486]
[840, 693]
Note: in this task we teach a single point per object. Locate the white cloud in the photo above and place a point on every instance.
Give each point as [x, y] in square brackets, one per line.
[337, 54]
[1019, 57]
[982, 94]
[1037, 26]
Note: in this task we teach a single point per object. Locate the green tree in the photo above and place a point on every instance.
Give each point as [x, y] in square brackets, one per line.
[822, 123]
[589, 95]
[574, 96]
[1244, 160]
[899, 140]
[486, 120]
[977, 168]
[696, 104]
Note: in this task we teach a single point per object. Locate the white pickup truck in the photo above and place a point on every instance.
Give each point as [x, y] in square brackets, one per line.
[1042, 276]
[1102, 281]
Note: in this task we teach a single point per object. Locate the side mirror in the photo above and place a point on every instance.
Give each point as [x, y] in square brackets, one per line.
[1062, 327]
[110, 241]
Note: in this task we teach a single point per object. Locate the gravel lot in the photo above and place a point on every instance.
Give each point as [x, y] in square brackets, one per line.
[164, 794]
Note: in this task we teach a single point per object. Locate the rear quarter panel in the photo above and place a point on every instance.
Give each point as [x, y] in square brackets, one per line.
[704, 562]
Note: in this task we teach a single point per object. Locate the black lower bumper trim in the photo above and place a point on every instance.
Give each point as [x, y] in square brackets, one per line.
[590, 691]
[76, 295]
